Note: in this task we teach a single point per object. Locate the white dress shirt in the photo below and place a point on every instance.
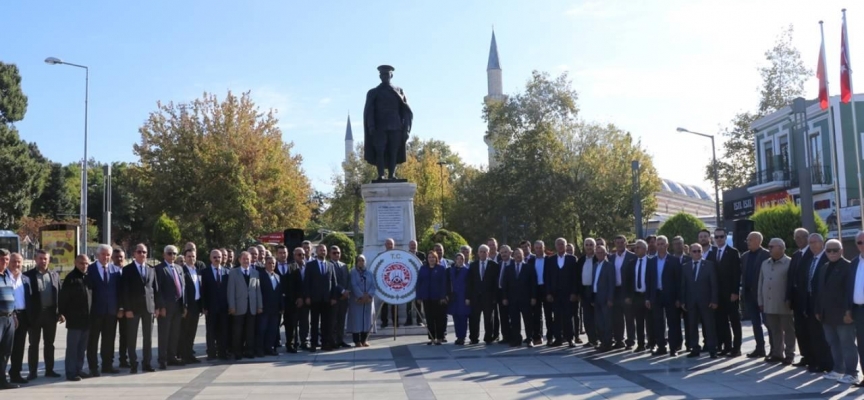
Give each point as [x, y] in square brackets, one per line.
[619, 262]
[561, 261]
[101, 268]
[196, 280]
[273, 279]
[538, 266]
[661, 263]
[597, 274]
[858, 294]
[18, 293]
[586, 271]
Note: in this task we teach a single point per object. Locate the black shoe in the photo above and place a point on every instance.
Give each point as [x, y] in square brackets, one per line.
[94, 372]
[802, 363]
[74, 379]
[628, 347]
[475, 342]
[175, 363]
[292, 350]
[192, 360]
[383, 325]
[304, 346]
[639, 349]
[31, 376]
[110, 370]
[529, 344]
[443, 340]
[788, 361]
[578, 340]
[619, 345]
[17, 379]
[571, 344]
[48, 374]
[723, 352]
[459, 342]
[555, 343]
[773, 360]
[673, 353]
[345, 345]
[756, 353]
[659, 352]
[312, 350]
[133, 370]
[734, 353]
[589, 344]
[713, 354]
[84, 375]
[604, 349]
[148, 368]
[693, 354]
[124, 364]
[163, 366]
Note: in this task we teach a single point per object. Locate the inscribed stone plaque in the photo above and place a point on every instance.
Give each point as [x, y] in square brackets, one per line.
[390, 222]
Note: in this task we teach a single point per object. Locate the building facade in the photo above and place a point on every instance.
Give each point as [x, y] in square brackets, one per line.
[495, 94]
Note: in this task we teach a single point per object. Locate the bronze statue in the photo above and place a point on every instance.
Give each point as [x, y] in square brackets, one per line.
[386, 123]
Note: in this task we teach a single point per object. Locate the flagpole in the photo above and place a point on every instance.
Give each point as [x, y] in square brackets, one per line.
[854, 124]
[832, 138]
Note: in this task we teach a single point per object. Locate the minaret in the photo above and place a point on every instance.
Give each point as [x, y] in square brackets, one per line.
[349, 141]
[496, 95]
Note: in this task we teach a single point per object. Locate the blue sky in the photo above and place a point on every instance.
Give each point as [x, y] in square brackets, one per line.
[648, 66]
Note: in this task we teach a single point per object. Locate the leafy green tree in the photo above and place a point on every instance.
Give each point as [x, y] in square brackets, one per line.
[783, 79]
[23, 169]
[451, 241]
[682, 224]
[780, 221]
[346, 245]
[228, 171]
[165, 232]
[56, 200]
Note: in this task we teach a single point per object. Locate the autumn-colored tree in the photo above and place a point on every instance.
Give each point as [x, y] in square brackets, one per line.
[221, 169]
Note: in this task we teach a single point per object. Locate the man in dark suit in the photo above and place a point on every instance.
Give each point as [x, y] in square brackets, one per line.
[816, 349]
[699, 295]
[42, 314]
[561, 276]
[665, 301]
[170, 306]
[214, 303]
[104, 281]
[620, 258]
[340, 310]
[292, 285]
[273, 303]
[797, 296]
[118, 259]
[520, 294]
[727, 262]
[503, 308]
[482, 295]
[751, 265]
[601, 295]
[638, 286]
[542, 311]
[321, 291]
[585, 263]
[136, 300]
[22, 288]
[192, 269]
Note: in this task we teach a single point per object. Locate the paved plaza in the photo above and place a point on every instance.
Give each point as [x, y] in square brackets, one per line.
[408, 369]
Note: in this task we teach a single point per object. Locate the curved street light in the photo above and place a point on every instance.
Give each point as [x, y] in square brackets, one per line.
[716, 179]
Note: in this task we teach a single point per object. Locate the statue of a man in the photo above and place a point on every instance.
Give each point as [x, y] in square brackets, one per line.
[386, 123]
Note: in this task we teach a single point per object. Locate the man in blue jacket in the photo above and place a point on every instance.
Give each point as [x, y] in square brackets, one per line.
[104, 280]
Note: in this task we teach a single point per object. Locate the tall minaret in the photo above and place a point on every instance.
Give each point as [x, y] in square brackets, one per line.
[349, 140]
[496, 95]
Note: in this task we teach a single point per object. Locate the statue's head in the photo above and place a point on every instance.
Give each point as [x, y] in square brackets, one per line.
[386, 73]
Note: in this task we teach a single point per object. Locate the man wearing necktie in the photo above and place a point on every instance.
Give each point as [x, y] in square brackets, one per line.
[340, 310]
[699, 292]
[267, 331]
[520, 294]
[189, 325]
[170, 306]
[321, 292]
[136, 299]
[295, 309]
[104, 281]
[214, 303]
[481, 295]
[244, 303]
[637, 295]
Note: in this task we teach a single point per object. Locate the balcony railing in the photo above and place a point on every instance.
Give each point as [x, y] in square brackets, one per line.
[771, 175]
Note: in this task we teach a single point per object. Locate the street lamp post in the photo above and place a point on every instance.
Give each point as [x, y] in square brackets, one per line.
[441, 165]
[716, 179]
[83, 221]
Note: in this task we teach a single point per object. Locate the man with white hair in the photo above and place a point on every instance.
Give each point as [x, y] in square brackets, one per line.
[562, 292]
[797, 296]
[818, 352]
[170, 307]
[751, 264]
[21, 287]
[481, 295]
[834, 309]
[639, 287]
[104, 280]
[773, 302]
[585, 263]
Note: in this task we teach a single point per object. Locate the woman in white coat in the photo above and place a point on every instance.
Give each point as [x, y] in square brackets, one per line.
[361, 308]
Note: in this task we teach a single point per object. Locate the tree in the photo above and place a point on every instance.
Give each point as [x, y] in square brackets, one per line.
[557, 176]
[56, 200]
[346, 245]
[682, 224]
[238, 177]
[165, 232]
[780, 221]
[23, 169]
[782, 80]
[451, 241]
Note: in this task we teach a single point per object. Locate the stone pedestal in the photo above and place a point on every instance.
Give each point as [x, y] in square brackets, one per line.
[389, 214]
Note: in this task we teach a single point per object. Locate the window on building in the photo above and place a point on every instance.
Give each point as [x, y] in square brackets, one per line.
[784, 153]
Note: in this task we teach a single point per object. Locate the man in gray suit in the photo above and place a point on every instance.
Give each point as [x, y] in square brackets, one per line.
[602, 297]
[244, 303]
[699, 297]
[340, 310]
[619, 259]
[170, 307]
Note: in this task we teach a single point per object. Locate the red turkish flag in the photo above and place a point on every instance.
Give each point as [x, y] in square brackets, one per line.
[845, 68]
[823, 82]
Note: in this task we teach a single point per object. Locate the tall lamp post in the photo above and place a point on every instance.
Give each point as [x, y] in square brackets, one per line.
[441, 165]
[83, 221]
[716, 179]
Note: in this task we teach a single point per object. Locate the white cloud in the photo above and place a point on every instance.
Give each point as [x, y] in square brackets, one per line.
[325, 101]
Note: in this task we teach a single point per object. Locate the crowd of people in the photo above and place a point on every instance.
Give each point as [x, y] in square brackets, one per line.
[654, 297]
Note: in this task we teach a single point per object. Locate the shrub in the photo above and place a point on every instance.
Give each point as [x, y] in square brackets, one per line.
[682, 224]
[451, 241]
[349, 252]
[780, 221]
[165, 232]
